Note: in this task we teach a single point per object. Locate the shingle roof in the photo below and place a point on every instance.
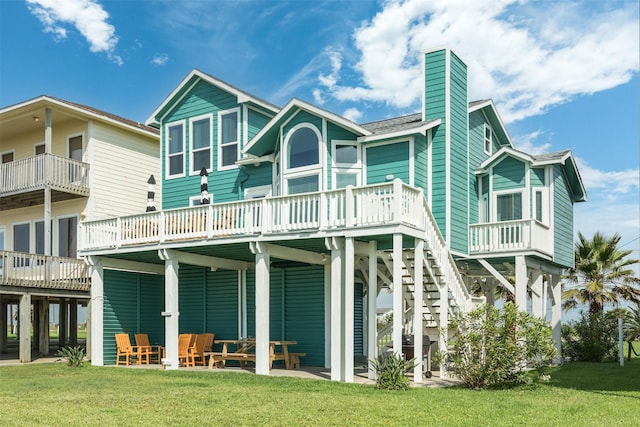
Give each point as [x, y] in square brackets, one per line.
[395, 124]
[550, 156]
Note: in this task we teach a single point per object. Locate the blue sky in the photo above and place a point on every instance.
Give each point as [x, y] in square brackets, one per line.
[563, 74]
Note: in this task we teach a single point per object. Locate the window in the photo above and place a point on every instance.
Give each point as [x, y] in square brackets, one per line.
[228, 138]
[67, 240]
[7, 157]
[175, 149]
[21, 242]
[488, 139]
[539, 205]
[39, 149]
[303, 184]
[346, 164]
[303, 148]
[75, 147]
[197, 200]
[509, 206]
[200, 134]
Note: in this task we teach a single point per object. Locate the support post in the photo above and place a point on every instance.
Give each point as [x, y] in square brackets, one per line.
[398, 312]
[537, 293]
[418, 307]
[96, 313]
[171, 313]
[349, 254]
[372, 297]
[443, 321]
[43, 345]
[73, 322]
[522, 280]
[337, 297]
[24, 328]
[3, 324]
[62, 325]
[262, 310]
[556, 312]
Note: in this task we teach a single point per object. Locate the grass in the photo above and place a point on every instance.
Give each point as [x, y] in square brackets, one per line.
[54, 394]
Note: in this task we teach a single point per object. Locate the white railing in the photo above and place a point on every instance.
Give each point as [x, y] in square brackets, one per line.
[59, 173]
[510, 236]
[448, 269]
[350, 207]
[41, 271]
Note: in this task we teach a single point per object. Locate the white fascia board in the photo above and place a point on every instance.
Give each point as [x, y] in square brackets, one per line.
[502, 152]
[255, 160]
[489, 103]
[405, 132]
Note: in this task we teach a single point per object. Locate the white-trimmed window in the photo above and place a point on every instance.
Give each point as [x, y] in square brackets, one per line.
[197, 200]
[75, 147]
[302, 171]
[508, 206]
[68, 236]
[39, 149]
[488, 139]
[258, 192]
[540, 206]
[200, 143]
[346, 164]
[7, 156]
[174, 146]
[228, 138]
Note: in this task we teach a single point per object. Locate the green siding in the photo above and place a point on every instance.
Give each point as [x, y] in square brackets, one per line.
[476, 157]
[255, 122]
[459, 168]
[537, 177]
[562, 220]
[303, 117]
[203, 98]
[255, 176]
[420, 162]
[509, 174]
[132, 304]
[389, 159]
[358, 320]
[222, 304]
[191, 299]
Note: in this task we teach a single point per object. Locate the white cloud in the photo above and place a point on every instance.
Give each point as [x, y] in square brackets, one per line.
[87, 16]
[611, 183]
[529, 143]
[352, 114]
[552, 52]
[160, 59]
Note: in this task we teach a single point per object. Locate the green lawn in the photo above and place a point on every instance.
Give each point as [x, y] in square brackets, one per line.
[53, 394]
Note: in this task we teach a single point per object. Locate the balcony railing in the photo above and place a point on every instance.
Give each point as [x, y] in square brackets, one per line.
[505, 236]
[34, 173]
[41, 271]
[322, 211]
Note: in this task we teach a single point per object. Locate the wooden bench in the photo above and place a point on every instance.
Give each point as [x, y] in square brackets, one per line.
[294, 359]
[219, 358]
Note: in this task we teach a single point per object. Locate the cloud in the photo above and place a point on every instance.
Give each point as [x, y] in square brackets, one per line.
[527, 56]
[87, 16]
[611, 183]
[160, 59]
[352, 114]
[529, 143]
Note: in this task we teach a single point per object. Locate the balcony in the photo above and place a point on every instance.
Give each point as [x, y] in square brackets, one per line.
[510, 236]
[22, 181]
[21, 269]
[321, 212]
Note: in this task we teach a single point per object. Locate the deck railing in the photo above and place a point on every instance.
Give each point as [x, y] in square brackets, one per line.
[507, 236]
[329, 210]
[41, 271]
[33, 173]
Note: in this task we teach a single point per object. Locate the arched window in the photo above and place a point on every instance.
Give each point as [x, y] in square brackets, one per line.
[303, 149]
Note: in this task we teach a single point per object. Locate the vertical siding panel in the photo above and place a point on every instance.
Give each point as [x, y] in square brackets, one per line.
[222, 304]
[191, 298]
[120, 309]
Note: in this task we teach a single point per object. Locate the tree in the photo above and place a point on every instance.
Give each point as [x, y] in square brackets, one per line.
[632, 324]
[601, 275]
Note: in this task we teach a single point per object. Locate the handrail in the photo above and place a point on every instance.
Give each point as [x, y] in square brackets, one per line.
[43, 271]
[44, 170]
[379, 204]
[509, 236]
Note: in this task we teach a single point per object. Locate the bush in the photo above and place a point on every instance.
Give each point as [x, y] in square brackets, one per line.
[73, 355]
[584, 343]
[493, 346]
[391, 371]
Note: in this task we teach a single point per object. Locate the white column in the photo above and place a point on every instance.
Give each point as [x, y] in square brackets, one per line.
[262, 311]
[398, 312]
[349, 254]
[43, 345]
[537, 293]
[337, 298]
[521, 283]
[443, 323]
[418, 306]
[96, 335]
[372, 297]
[47, 189]
[171, 313]
[24, 328]
[556, 312]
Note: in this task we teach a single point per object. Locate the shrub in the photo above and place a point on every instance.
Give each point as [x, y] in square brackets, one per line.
[492, 346]
[73, 355]
[593, 340]
[391, 371]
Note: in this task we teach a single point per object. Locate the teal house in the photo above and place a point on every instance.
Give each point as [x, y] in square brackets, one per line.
[287, 224]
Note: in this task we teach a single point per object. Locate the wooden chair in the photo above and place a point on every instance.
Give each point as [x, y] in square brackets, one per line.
[208, 343]
[124, 349]
[184, 353]
[146, 350]
[197, 349]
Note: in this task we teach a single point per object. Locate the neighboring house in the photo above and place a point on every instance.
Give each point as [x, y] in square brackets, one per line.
[313, 214]
[62, 163]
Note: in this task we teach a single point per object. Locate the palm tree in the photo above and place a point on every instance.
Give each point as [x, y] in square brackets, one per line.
[601, 275]
[632, 324]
